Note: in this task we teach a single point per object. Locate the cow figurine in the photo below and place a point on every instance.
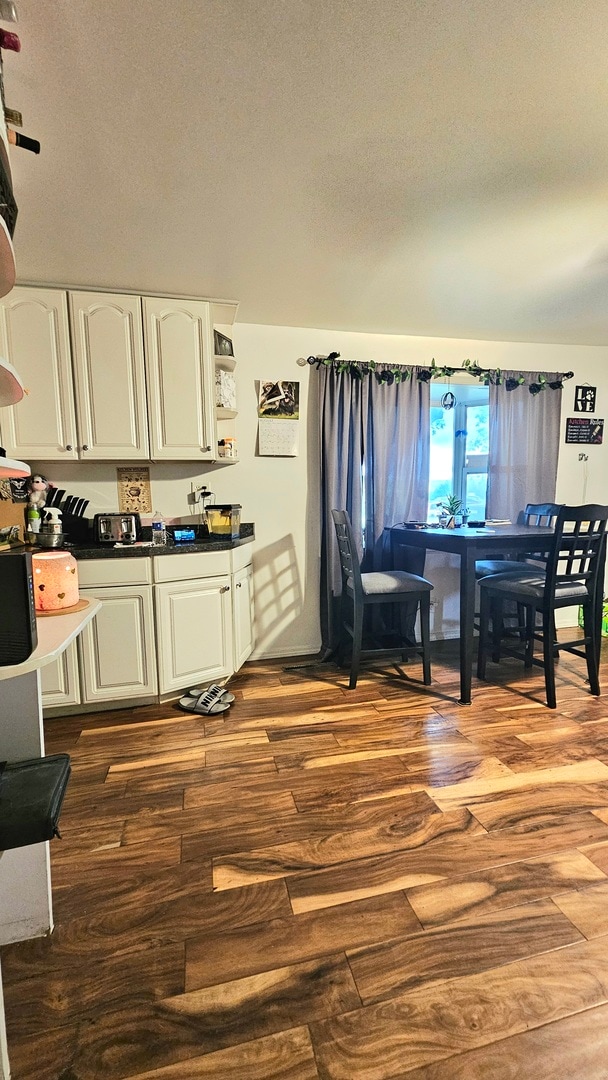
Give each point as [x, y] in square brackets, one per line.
[37, 487]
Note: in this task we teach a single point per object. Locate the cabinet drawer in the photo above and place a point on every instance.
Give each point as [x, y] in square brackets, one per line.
[242, 556]
[129, 571]
[190, 565]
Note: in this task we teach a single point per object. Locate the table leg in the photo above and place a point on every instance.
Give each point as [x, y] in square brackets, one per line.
[467, 612]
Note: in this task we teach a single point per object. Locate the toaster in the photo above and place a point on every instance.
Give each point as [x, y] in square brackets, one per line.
[116, 528]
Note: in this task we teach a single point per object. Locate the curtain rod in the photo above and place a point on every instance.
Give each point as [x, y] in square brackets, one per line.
[396, 373]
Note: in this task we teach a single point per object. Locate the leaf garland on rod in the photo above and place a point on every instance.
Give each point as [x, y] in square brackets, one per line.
[357, 369]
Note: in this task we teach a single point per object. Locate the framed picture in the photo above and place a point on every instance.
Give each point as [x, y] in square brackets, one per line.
[134, 494]
[222, 345]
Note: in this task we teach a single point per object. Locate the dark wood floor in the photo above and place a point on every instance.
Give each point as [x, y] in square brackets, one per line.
[365, 885]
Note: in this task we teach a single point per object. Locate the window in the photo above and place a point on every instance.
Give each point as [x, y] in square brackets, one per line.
[459, 448]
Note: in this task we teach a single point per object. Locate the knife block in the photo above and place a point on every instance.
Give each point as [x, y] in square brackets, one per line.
[77, 529]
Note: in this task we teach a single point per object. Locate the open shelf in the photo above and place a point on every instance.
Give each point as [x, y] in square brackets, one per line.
[225, 414]
[228, 363]
[226, 461]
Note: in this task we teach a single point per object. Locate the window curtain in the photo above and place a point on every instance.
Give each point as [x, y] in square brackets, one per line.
[375, 444]
[524, 445]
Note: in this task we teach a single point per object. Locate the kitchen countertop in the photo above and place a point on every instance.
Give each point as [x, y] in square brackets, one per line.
[134, 551]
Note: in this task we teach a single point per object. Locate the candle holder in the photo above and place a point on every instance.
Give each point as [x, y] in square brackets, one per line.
[55, 576]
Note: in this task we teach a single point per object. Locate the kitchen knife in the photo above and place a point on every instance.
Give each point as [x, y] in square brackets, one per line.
[54, 496]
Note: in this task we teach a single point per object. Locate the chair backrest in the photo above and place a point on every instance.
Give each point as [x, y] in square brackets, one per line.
[541, 513]
[349, 560]
[578, 550]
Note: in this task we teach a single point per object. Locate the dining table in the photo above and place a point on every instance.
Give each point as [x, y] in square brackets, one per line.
[491, 541]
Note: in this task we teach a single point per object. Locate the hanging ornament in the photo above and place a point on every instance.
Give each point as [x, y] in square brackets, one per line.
[448, 401]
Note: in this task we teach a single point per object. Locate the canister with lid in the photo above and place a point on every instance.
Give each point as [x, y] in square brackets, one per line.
[224, 519]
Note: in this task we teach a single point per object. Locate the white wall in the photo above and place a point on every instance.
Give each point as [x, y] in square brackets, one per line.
[281, 495]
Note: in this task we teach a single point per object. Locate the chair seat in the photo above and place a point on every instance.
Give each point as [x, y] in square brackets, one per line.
[381, 582]
[532, 587]
[487, 567]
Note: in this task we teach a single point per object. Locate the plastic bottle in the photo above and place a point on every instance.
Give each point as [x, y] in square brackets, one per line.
[33, 519]
[159, 530]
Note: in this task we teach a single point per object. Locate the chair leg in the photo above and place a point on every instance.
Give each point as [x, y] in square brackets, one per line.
[357, 640]
[497, 628]
[521, 622]
[342, 637]
[548, 657]
[484, 633]
[591, 648]
[530, 629]
[425, 636]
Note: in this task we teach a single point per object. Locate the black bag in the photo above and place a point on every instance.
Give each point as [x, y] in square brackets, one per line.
[31, 796]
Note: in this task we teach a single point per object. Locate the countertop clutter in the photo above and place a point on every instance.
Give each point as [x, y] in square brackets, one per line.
[146, 549]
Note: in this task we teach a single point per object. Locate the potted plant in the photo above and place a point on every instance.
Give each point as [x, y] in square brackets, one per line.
[451, 505]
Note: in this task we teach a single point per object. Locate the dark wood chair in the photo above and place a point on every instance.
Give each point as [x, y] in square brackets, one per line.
[573, 575]
[534, 514]
[359, 590]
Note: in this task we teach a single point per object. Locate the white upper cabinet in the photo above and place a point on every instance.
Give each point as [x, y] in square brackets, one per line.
[34, 337]
[179, 351]
[109, 376]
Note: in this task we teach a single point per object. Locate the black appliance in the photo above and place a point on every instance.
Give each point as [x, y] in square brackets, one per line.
[18, 633]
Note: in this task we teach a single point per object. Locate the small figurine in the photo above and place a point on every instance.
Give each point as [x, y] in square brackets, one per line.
[37, 487]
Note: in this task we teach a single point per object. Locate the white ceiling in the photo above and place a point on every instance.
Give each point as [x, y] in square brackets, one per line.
[433, 167]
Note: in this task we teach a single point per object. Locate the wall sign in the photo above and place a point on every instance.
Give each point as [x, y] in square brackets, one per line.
[583, 429]
[584, 398]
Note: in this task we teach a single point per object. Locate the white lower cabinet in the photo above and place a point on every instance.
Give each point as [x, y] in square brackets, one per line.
[242, 615]
[116, 650]
[194, 631]
[60, 680]
[166, 624]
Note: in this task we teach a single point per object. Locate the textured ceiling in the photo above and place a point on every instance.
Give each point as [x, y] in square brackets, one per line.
[434, 167]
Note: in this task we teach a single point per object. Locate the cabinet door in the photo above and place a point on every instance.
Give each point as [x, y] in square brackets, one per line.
[34, 337]
[109, 376]
[242, 610]
[116, 649]
[179, 369]
[60, 680]
[194, 630]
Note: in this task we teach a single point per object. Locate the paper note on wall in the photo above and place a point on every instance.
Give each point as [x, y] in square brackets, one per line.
[278, 418]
